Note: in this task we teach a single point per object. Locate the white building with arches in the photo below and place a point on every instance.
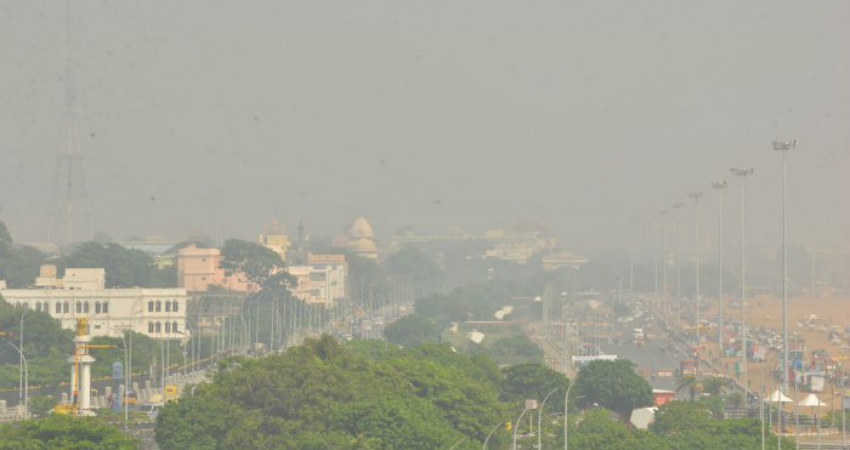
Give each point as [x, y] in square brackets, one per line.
[158, 313]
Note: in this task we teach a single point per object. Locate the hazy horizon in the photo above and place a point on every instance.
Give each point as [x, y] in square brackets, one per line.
[586, 117]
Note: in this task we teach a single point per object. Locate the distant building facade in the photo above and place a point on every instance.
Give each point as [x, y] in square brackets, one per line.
[158, 313]
[199, 268]
[323, 279]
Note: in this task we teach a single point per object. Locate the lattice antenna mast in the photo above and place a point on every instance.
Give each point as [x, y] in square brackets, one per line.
[69, 181]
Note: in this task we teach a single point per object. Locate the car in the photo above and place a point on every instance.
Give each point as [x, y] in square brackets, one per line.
[151, 409]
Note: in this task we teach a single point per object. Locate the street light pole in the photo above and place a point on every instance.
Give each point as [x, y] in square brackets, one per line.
[567, 414]
[743, 173]
[696, 196]
[720, 187]
[784, 147]
[540, 419]
[25, 412]
[22, 360]
[677, 206]
[518, 421]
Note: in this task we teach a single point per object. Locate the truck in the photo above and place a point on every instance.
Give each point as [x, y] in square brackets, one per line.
[688, 368]
[639, 336]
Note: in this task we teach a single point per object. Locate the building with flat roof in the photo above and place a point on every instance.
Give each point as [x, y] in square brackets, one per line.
[322, 280]
[158, 313]
[199, 268]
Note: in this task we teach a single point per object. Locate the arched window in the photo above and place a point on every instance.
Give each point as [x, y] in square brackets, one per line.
[168, 327]
[97, 307]
[65, 308]
[174, 306]
[150, 327]
[167, 306]
[158, 306]
[18, 304]
[106, 307]
[174, 327]
[58, 307]
[150, 306]
[86, 307]
[158, 327]
[38, 306]
[79, 307]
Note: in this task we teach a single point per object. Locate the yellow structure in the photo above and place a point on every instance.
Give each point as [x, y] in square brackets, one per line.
[274, 238]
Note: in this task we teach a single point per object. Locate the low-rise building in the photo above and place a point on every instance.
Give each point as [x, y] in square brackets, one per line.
[322, 280]
[158, 313]
[199, 268]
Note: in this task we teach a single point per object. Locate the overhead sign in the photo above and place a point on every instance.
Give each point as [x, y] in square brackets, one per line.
[531, 404]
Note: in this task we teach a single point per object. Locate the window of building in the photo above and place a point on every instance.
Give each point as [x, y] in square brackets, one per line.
[159, 327]
[317, 276]
[150, 327]
[174, 306]
[65, 308]
[168, 327]
[38, 306]
[58, 307]
[158, 306]
[167, 306]
[174, 327]
[106, 307]
[79, 307]
[150, 306]
[86, 307]
[97, 307]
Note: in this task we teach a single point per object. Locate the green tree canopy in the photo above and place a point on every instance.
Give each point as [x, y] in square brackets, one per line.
[412, 262]
[533, 381]
[614, 385]
[259, 263]
[412, 330]
[124, 267]
[323, 395]
[18, 264]
[61, 432]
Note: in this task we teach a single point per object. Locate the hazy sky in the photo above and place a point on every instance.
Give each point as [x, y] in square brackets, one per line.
[586, 116]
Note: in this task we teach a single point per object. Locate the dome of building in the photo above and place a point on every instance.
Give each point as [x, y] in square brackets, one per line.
[362, 246]
[360, 229]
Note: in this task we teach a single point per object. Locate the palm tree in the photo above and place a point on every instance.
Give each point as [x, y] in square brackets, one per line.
[713, 385]
[692, 384]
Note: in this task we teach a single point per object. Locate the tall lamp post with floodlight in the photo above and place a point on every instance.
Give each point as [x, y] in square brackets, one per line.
[720, 187]
[743, 173]
[784, 147]
[695, 196]
[678, 206]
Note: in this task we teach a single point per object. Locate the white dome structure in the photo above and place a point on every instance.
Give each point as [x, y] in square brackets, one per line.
[361, 238]
[360, 229]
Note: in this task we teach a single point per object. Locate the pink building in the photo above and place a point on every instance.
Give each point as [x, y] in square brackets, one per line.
[198, 269]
